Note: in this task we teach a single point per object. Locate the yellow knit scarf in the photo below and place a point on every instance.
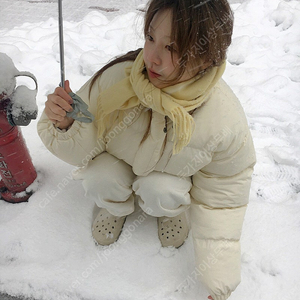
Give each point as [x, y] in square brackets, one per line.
[173, 101]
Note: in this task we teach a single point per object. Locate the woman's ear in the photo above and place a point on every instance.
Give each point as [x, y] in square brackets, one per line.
[205, 64]
[200, 69]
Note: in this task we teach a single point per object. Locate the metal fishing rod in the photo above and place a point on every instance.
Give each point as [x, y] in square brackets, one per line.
[61, 45]
[80, 108]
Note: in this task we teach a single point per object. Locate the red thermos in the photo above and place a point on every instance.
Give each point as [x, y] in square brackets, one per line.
[16, 168]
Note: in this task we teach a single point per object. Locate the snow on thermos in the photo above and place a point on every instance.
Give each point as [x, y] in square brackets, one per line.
[17, 108]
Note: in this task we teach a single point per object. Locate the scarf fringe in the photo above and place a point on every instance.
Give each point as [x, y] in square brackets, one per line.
[183, 128]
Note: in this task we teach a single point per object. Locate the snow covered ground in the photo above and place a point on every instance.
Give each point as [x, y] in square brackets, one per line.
[46, 248]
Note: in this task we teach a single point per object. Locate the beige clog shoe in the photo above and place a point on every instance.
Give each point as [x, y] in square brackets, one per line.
[172, 231]
[107, 228]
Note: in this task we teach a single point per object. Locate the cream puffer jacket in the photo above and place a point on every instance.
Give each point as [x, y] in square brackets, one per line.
[219, 158]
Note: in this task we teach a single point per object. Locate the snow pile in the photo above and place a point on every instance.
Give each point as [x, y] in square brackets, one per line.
[7, 76]
[23, 100]
[46, 247]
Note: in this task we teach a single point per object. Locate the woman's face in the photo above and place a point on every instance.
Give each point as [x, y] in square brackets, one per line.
[158, 49]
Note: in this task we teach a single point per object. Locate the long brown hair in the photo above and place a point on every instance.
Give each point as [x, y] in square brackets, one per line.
[201, 30]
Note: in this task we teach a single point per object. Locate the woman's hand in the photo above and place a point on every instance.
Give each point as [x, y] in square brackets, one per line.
[210, 297]
[57, 106]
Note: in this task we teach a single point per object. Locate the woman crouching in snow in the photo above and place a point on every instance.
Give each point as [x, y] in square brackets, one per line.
[172, 134]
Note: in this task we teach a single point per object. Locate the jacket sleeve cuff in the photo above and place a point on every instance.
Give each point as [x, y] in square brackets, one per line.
[218, 266]
[221, 297]
[76, 146]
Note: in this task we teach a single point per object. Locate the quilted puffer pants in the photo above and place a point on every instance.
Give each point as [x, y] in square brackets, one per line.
[112, 185]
